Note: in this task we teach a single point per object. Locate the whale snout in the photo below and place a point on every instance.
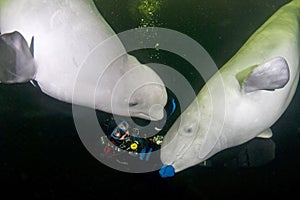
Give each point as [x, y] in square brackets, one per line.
[148, 102]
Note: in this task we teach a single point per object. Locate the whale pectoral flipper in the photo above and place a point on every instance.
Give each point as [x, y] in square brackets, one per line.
[16, 59]
[271, 75]
[265, 134]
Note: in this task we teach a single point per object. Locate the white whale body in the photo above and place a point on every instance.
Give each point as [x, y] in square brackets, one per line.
[243, 99]
[74, 50]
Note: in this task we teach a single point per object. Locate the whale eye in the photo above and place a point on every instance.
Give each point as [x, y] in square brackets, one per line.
[189, 130]
[132, 104]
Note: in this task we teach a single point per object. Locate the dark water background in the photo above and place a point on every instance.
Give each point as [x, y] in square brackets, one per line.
[41, 155]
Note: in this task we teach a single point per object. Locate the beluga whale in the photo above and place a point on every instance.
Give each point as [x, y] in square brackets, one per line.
[241, 101]
[66, 47]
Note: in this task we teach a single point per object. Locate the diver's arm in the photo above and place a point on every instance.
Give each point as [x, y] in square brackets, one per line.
[125, 135]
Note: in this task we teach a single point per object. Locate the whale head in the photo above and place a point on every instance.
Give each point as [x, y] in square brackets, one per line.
[182, 145]
[140, 93]
[129, 88]
[148, 102]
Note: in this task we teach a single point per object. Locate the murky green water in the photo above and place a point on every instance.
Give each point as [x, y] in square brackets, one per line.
[42, 156]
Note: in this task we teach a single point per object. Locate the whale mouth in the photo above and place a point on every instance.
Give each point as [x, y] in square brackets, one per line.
[152, 116]
[156, 112]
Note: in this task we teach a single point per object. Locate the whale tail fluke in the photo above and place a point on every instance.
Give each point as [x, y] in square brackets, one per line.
[16, 59]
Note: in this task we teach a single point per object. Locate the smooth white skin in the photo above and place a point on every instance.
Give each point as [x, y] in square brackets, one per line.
[67, 34]
[210, 124]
